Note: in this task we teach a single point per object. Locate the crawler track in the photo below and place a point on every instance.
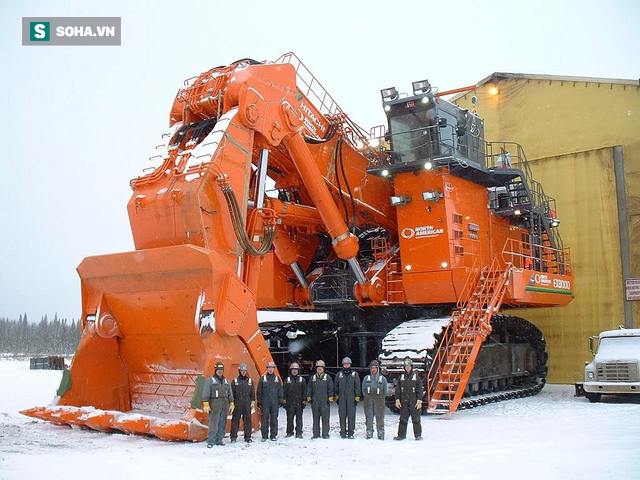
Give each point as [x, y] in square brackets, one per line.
[512, 362]
[522, 339]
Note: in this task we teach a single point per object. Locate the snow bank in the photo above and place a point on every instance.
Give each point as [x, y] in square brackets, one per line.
[553, 435]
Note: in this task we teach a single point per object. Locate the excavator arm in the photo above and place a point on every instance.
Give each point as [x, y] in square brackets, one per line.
[156, 319]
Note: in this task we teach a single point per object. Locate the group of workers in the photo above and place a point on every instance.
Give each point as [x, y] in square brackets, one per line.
[239, 396]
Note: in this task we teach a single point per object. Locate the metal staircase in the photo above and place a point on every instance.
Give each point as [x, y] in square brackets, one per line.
[469, 327]
[522, 197]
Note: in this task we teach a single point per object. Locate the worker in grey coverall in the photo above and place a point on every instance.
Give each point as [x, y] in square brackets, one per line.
[374, 390]
[217, 401]
[348, 391]
[320, 394]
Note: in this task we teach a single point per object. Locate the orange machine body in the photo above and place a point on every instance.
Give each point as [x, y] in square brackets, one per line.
[212, 246]
[441, 241]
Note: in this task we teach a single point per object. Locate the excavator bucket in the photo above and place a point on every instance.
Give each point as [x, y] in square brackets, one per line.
[157, 320]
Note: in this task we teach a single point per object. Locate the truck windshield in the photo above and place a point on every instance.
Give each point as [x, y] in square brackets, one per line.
[619, 348]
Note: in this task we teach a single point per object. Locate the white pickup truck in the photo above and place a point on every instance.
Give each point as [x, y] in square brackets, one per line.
[615, 368]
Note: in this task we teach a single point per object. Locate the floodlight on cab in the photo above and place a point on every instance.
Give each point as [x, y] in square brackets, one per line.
[389, 94]
[421, 86]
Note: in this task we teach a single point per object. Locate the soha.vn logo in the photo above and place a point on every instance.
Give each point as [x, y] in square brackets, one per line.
[39, 31]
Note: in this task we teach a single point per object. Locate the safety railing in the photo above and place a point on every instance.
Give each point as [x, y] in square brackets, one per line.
[311, 88]
[500, 155]
[532, 256]
[493, 155]
[434, 146]
[391, 268]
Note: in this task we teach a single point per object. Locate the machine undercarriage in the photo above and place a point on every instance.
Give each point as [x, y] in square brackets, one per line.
[511, 363]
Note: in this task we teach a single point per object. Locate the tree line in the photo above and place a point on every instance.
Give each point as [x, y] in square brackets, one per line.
[47, 337]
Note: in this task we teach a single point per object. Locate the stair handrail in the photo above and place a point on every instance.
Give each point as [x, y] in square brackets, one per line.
[541, 202]
[469, 284]
[440, 356]
[478, 325]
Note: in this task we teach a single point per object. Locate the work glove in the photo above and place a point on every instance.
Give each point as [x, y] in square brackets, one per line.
[419, 405]
[336, 398]
[308, 399]
[253, 404]
[398, 404]
[357, 399]
[284, 402]
[205, 407]
[231, 407]
[330, 399]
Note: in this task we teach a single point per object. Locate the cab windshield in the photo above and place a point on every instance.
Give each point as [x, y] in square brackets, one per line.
[413, 136]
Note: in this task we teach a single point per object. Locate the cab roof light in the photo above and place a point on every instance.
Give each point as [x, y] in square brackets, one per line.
[421, 86]
[389, 94]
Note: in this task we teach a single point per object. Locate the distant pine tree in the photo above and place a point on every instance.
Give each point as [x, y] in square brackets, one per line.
[58, 337]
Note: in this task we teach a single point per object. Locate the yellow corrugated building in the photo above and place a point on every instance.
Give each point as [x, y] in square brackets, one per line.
[582, 139]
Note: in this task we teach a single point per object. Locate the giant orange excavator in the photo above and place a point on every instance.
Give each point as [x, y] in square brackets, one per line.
[268, 197]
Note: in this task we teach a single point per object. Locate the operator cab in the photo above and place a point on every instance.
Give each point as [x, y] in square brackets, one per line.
[426, 131]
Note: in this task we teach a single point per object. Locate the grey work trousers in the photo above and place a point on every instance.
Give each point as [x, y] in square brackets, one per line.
[217, 421]
[320, 411]
[374, 406]
[347, 414]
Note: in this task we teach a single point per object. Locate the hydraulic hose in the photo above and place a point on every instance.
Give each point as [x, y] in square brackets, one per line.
[239, 229]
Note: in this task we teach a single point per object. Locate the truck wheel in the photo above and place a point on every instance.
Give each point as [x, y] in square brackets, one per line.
[593, 397]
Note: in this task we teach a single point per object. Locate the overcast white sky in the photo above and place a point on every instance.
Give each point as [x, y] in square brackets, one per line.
[80, 122]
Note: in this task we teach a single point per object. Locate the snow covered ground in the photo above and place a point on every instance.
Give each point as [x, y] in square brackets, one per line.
[553, 435]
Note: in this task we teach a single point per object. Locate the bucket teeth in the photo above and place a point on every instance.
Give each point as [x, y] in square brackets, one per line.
[192, 431]
[186, 429]
[70, 416]
[59, 415]
[134, 424]
[100, 420]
